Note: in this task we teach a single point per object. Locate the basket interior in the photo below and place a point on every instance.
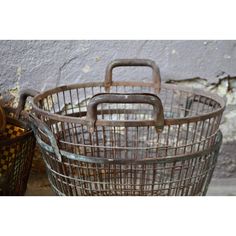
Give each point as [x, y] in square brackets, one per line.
[131, 142]
[176, 103]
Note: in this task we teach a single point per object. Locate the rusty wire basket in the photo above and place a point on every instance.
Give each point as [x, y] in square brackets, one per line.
[125, 121]
[17, 143]
[78, 175]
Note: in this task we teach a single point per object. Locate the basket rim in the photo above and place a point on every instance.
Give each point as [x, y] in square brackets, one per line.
[27, 131]
[167, 159]
[167, 121]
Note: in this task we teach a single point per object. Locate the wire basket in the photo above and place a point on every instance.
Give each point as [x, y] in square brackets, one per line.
[188, 124]
[17, 143]
[72, 174]
[125, 121]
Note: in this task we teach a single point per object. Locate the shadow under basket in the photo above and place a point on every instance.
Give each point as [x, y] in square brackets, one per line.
[17, 145]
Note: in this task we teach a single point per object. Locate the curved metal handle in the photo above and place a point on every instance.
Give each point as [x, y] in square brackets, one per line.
[23, 96]
[133, 62]
[141, 98]
[37, 124]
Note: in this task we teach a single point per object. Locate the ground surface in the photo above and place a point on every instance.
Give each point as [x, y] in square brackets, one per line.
[38, 185]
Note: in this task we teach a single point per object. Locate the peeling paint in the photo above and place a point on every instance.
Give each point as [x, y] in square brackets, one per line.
[97, 59]
[86, 69]
[19, 71]
[192, 82]
[10, 97]
[225, 87]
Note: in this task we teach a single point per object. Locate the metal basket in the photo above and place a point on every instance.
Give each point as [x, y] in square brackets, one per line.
[17, 143]
[126, 121]
[188, 122]
[74, 174]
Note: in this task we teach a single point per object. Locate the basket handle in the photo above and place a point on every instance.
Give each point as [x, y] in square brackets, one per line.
[140, 98]
[2, 119]
[37, 124]
[133, 62]
[23, 97]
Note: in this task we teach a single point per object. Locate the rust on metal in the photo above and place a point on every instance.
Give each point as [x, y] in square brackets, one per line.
[133, 62]
[131, 157]
[2, 120]
[133, 98]
[23, 96]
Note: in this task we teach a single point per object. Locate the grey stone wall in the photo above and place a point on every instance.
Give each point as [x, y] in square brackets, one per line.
[210, 65]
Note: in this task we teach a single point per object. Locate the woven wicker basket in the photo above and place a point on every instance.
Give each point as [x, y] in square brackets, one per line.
[17, 143]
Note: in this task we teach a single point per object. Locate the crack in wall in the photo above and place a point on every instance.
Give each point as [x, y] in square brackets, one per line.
[62, 67]
[228, 84]
[196, 82]
[225, 87]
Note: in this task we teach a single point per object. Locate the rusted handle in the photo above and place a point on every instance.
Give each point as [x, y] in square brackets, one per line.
[23, 96]
[2, 119]
[37, 124]
[133, 62]
[140, 98]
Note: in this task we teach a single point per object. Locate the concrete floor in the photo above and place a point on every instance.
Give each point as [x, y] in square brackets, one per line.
[222, 187]
[38, 185]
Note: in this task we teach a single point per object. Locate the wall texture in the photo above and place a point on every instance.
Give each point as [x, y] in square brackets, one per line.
[210, 65]
[58, 62]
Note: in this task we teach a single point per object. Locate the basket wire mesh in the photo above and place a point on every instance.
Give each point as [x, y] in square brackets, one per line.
[17, 143]
[77, 175]
[181, 124]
